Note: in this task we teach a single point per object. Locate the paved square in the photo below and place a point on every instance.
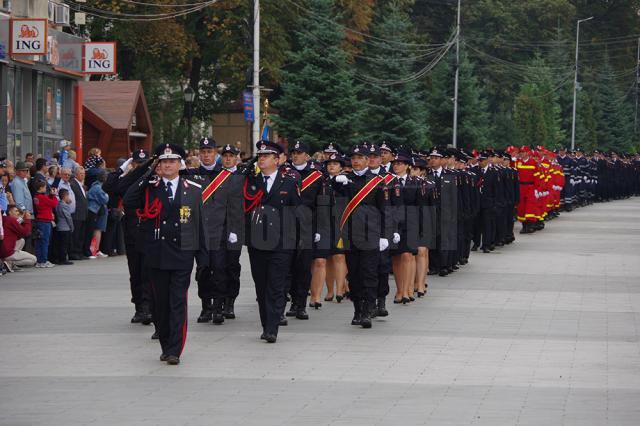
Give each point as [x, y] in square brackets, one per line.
[544, 331]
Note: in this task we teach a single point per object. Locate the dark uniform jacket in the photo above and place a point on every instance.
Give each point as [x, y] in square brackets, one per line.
[270, 220]
[222, 212]
[172, 232]
[371, 220]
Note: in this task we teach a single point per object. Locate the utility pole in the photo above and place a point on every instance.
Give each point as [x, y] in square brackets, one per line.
[455, 90]
[575, 85]
[635, 121]
[256, 75]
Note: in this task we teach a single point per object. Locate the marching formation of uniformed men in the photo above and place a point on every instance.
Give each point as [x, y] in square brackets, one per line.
[347, 220]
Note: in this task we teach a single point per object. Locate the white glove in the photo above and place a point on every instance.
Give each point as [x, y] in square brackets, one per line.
[384, 243]
[342, 179]
[126, 164]
[183, 165]
[233, 238]
[396, 238]
[316, 238]
[535, 193]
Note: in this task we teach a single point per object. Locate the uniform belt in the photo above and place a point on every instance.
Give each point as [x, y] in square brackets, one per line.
[526, 183]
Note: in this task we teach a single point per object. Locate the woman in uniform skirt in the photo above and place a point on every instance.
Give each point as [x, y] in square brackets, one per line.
[336, 264]
[405, 189]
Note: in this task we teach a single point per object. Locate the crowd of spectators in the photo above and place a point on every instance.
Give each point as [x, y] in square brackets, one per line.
[54, 211]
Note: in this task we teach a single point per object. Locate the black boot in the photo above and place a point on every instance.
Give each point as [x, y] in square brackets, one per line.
[357, 317]
[138, 316]
[147, 318]
[365, 316]
[293, 309]
[301, 312]
[382, 307]
[205, 315]
[217, 316]
[228, 311]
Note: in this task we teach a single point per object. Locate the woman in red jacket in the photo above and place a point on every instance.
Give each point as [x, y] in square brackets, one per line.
[43, 205]
[16, 227]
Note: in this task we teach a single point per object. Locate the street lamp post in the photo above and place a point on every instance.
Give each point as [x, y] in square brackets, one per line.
[575, 85]
[189, 96]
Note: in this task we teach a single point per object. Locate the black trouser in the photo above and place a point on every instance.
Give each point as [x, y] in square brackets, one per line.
[301, 276]
[138, 278]
[222, 277]
[170, 289]
[362, 272]
[488, 227]
[77, 240]
[233, 274]
[384, 269]
[269, 270]
[63, 244]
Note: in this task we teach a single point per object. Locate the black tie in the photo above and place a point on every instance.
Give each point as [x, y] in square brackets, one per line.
[169, 192]
[266, 185]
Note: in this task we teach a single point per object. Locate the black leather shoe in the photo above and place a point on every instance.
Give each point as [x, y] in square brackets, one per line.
[292, 310]
[420, 294]
[173, 360]
[316, 305]
[263, 336]
[270, 338]
[339, 298]
[137, 317]
[155, 336]
[365, 321]
[228, 310]
[164, 357]
[484, 250]
[455, 267]
[283, 322]
[147, 318]
[216, 312]
[301, 313]
[357, 319]
[474, 248]
[382, 307]
[205, 316]
[443, 272]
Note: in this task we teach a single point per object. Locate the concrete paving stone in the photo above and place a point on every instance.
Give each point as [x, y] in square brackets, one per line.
[544, 331]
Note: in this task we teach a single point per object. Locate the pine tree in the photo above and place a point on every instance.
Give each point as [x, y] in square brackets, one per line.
[473, 119]
[395, 113]
[540, 94]
[586, 132]
[612, 114]
[319, 98]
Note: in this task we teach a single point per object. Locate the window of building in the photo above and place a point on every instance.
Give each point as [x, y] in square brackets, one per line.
[50, 114]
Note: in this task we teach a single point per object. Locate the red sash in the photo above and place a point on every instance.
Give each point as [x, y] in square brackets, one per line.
[215, 184]
[309, 180]
[361, 195]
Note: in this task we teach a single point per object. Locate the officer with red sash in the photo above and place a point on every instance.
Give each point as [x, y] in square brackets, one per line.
[308, 231]
[223, 221]
[169, 208]
[363, 231]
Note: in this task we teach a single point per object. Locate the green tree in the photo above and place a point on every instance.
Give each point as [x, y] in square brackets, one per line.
[319, 100]
[394, 107]
[613, 117]
[586, 131]
[474, 127]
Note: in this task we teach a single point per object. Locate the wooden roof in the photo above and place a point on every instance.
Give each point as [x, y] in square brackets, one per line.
[114, 102]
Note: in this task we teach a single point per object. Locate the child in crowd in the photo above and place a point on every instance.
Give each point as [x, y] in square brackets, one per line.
[64, 227]
[43, 204]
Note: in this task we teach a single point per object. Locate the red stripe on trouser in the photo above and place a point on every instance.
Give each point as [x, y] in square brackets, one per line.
[184, 324]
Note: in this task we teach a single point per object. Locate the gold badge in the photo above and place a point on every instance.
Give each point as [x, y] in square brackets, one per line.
[185, 214]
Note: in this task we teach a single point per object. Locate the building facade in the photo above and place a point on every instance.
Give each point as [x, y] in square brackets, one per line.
[41, 105]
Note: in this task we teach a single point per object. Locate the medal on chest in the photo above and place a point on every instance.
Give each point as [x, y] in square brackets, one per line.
[185, 214]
